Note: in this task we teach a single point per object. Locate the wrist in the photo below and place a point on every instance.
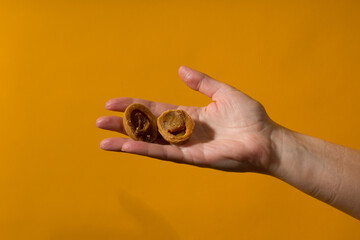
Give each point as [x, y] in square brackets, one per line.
[278, 137]
[324, 170]
[294, 159]
[306, 163]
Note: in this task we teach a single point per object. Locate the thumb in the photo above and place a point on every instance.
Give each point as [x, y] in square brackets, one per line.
[202, 82]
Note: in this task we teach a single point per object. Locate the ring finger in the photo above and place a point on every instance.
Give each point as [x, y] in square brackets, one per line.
[112, 123]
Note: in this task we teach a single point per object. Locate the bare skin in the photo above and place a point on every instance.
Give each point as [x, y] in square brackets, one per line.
[234, 133]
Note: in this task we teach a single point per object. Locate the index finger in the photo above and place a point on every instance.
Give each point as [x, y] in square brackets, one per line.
[121, 103]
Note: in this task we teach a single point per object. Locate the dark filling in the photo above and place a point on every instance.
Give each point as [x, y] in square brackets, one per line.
[141, 125]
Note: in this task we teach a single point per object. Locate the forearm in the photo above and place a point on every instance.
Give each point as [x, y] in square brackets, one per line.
[324, 170]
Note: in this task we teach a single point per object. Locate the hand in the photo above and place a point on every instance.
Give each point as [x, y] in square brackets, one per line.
[233, 133]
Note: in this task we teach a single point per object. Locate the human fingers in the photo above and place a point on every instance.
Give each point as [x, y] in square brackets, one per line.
[202, 82]
[164, 152]
[112, 123]
[121, 103]
[210, 87]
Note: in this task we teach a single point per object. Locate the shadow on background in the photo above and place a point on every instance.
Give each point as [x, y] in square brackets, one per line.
[147, 225]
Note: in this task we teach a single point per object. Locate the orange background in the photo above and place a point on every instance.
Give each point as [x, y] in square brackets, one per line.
[61, 60]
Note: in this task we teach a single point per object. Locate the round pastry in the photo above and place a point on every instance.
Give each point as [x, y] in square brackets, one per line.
[140, 123]
[175, 126]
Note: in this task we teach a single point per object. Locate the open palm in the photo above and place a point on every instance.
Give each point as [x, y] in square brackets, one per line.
[233, 133]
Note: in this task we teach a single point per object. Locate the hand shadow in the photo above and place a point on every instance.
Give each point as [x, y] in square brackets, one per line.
[203, 133]
[136, 220]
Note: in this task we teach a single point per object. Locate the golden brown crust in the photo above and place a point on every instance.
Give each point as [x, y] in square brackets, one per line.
[175, 126]
[140, 123]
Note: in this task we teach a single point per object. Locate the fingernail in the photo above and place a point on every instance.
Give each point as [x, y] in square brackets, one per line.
[108, 104]
[99, 121]
[105, 144]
